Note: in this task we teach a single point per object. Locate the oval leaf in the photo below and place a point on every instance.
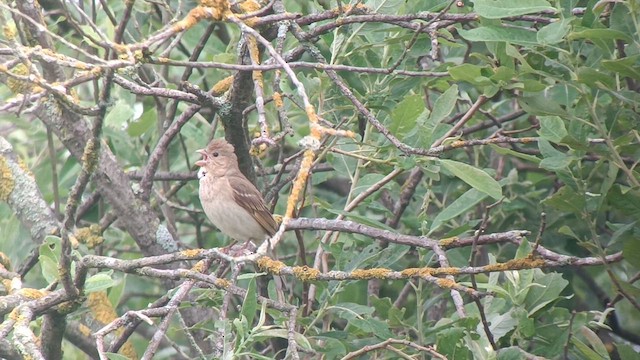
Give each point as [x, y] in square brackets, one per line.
[475, 177]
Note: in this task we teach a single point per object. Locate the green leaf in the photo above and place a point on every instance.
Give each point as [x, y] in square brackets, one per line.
[631, 251]
[626, 66]
[404, 115]
[461, 205]
[469, 73]
[503, 74]
[390, 255]
[501, 34]
[552, 128]
[585, 351]
[116, 292]
[334, 346]
[595, 342]
[627, 352]
[622, 233]
[506, 151]
[600, 34]
[554, 160]
[566, 199]
[538, 297]
[119, 115]
[100, 281]
[250, 303]
[498, 9]
[541, 104]
[143, 124]
[595, 77]
[114, 356]
[553, 33]
[547, 150]
[443, 106]
[49, 256]
[361, 219]
[450, 343]
[301, 340]
[511, 353]
[475, 177]
[556, 163]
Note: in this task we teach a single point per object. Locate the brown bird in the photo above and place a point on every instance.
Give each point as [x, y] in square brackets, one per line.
[232, 203]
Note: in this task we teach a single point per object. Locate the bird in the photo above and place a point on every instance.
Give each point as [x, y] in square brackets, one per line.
[230, 201]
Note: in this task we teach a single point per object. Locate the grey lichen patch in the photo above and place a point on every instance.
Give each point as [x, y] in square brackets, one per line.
[165, 240]
[19, 189]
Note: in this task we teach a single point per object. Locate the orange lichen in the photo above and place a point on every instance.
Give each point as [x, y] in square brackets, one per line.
[306, 273]
[265, 263]
[102, 311]
[90, 155]
[85, 330]
[457, 144]
[32, 294]
[7, 183]
[222, 86]
[445, 243]
[445, 271]
[414, 272]
[277, 100]
[91, 236]
[9, 31]
[221, 5]
[377, 273]
[298, 184]
[100, 307]
[192, 253]
[200, 266]
[19, 86]
[446, 283]
[196, 15]
[249, 6]
[5, 261]
[222, 283]
[7, 285]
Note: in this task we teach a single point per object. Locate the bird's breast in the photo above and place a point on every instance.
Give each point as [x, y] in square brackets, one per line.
[216, 196]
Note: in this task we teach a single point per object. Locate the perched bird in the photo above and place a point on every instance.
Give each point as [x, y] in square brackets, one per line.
[232, 203]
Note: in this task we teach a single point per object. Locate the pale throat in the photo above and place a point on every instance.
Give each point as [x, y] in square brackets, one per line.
[201, 173]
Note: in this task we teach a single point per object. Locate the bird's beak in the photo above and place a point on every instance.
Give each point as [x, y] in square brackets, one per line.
[202, 162]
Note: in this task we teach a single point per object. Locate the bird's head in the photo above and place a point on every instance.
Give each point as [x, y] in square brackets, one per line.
[218, 158]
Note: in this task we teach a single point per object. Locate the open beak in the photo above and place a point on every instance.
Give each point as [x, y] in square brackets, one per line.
[203, 161]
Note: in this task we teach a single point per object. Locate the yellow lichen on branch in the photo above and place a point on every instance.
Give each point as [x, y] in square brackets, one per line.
[516, 264]
[91, 236]
[248, 7]
[277, 100]
[317, 131]
[7, 182]
[209, 9]
[305, 273]
[298, 184]
[377, 273]
[17, 81]
[222, 86]
[103, 311]
[270, 265]
[416, 272]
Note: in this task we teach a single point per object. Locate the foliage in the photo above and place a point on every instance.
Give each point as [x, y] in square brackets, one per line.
[437, 122]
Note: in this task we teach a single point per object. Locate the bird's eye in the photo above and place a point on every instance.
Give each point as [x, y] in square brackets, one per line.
[215, 154]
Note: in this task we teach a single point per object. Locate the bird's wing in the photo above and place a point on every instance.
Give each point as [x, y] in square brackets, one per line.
[247, 196]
